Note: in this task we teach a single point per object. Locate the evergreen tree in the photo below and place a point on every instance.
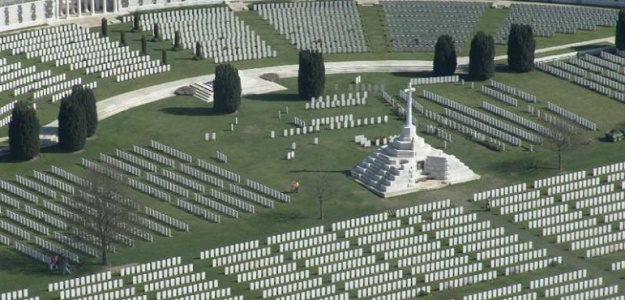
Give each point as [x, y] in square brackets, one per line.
[445, 60]
[482, 57]
[72, 131]
[619, 38]
[157, 33]
[164, 57]
[105, 30]
[122, 38]
[24, 132]
[177, 41]
[311, 76]
[87, 97]
[227, 89]
[144, 45]
[136, 21]
[521, 47]
[198, 51]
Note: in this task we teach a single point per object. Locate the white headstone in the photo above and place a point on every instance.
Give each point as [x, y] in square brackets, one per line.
[316, 141]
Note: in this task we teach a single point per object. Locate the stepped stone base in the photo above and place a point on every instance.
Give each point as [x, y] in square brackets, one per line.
[409, 165]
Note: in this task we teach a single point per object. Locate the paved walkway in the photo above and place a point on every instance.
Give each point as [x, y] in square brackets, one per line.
[116, 104]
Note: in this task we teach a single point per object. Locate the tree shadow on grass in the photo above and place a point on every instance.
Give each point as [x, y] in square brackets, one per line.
[17, 263]
[344, 172]
[285, 216]
[588, 47]
[275, 97]
[191, 111]
[413, 74]
[53, 149]
[520, 166]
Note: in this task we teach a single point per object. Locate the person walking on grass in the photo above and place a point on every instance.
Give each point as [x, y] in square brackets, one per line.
[293, 186]
[65, 266]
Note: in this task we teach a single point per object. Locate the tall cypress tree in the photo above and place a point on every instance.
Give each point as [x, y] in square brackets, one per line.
[156, 33]
[445, 60]
[521, 47]
[144, 45]
[619, 37]
[104, 28]
[198, 51]
[482, 57]
[87, 97]
[136, 21]
[24, 132]
[227, 89]
[177, 41]
[122, 38]
[72, 130]
[311, 77]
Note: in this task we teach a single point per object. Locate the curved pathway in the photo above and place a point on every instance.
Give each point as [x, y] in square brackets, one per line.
[116, 104]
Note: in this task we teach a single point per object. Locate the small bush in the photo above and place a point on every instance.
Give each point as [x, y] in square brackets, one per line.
[273, 77]
[490, 145]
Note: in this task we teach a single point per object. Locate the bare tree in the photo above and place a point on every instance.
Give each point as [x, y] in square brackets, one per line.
[105, 217]
[561, 137]
[322, 187]
[451, 294]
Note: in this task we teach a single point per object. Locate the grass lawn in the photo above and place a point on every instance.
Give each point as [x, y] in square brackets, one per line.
[254, 155]
[181, 122]
[183, 66]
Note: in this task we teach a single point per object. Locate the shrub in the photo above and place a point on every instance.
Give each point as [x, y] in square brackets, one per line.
[311, 77]
[227, 89]
[445, 60]
[482, 57]
[521, 47]
[273, 77]
[72, 131]
[24, 132]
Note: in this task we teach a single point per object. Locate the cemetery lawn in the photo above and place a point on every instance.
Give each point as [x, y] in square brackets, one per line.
[183, 66]
[182, 121]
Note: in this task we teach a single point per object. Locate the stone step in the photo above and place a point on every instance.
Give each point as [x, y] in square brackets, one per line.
[203, 92]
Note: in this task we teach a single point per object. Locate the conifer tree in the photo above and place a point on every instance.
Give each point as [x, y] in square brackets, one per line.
[144, 45]
[445, 60]
[156, 33]
[521, 47]
[311, 76]
[122, 38]
[619, 38]
[104, 27]
[72, 132]
[136, 21]
[177, 41]
[227, 89]
[24, 132]
[88, 100]
[482, 57]
[198, 51]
